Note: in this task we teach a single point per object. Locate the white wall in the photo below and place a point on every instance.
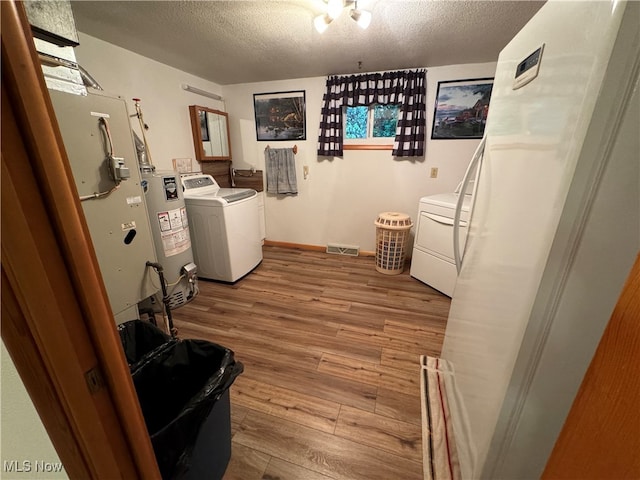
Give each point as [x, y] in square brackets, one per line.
[27, 451]
[342, 197]
[164, 103]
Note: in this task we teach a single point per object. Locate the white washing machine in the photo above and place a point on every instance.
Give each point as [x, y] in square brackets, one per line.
[432, 259]
[225, 228]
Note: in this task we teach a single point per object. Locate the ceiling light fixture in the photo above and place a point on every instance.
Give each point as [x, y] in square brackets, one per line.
[361, 17]
[321, 22]
[334, 9]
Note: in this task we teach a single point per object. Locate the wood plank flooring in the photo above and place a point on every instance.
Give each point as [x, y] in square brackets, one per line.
[330, 348]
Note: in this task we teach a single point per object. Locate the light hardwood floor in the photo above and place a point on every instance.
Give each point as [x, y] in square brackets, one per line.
[330, 349]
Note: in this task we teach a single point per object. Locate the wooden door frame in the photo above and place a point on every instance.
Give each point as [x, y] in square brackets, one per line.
[601, 435]
[57, 324]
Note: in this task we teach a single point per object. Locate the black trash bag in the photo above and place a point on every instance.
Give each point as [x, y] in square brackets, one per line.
[178, 385]
[140, 338]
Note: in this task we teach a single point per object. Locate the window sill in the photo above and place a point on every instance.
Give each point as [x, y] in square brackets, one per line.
[366, 147]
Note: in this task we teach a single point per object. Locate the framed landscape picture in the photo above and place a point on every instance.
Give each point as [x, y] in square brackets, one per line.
[461, 109]
[280, 116]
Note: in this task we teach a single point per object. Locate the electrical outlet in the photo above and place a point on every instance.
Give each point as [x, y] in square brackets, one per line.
[305, 171]
[434, 172]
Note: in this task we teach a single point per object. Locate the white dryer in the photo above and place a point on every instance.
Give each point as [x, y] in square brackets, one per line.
[432, 260]
[225, 228]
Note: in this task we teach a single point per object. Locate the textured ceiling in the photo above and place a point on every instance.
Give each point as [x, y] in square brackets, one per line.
[244, 41]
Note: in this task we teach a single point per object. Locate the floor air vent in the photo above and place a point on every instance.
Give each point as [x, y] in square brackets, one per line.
[343, 249]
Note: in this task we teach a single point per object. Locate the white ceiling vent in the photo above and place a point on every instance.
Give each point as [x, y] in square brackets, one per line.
[343, 249]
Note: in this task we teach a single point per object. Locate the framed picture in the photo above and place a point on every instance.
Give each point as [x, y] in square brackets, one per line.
[461, 109]
[280, 116]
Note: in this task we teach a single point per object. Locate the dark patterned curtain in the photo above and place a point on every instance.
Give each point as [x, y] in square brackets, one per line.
[406, 88]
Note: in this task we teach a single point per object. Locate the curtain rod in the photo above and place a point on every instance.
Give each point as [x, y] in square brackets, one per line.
[198, 91]
[404, 70]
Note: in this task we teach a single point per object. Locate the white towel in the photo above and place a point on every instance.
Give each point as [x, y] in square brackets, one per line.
[280, 166]
[448, 451]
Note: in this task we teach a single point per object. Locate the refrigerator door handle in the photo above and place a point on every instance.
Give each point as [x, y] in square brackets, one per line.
[477, 156]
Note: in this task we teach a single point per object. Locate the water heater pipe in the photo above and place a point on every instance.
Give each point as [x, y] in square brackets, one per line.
[143, 127]
[165, 298]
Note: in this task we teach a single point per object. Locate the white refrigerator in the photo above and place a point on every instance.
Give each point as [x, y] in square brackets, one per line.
[555, 229]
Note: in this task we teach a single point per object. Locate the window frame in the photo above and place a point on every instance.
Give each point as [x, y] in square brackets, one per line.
[369, 143]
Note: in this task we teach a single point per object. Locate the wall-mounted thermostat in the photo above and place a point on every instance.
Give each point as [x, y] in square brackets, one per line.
[527, 70]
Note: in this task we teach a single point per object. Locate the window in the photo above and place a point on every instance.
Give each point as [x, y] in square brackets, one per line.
[372, 126]
[405, 88]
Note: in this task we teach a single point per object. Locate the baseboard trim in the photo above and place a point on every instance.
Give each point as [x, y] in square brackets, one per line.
[303, 246]
[298, 246]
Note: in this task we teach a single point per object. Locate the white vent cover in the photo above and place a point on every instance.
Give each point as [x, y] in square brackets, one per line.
[338, 249]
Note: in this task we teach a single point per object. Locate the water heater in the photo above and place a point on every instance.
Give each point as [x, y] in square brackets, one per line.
[170, 230]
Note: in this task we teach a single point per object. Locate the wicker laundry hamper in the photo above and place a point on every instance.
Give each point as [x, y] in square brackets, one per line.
[392, 233]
